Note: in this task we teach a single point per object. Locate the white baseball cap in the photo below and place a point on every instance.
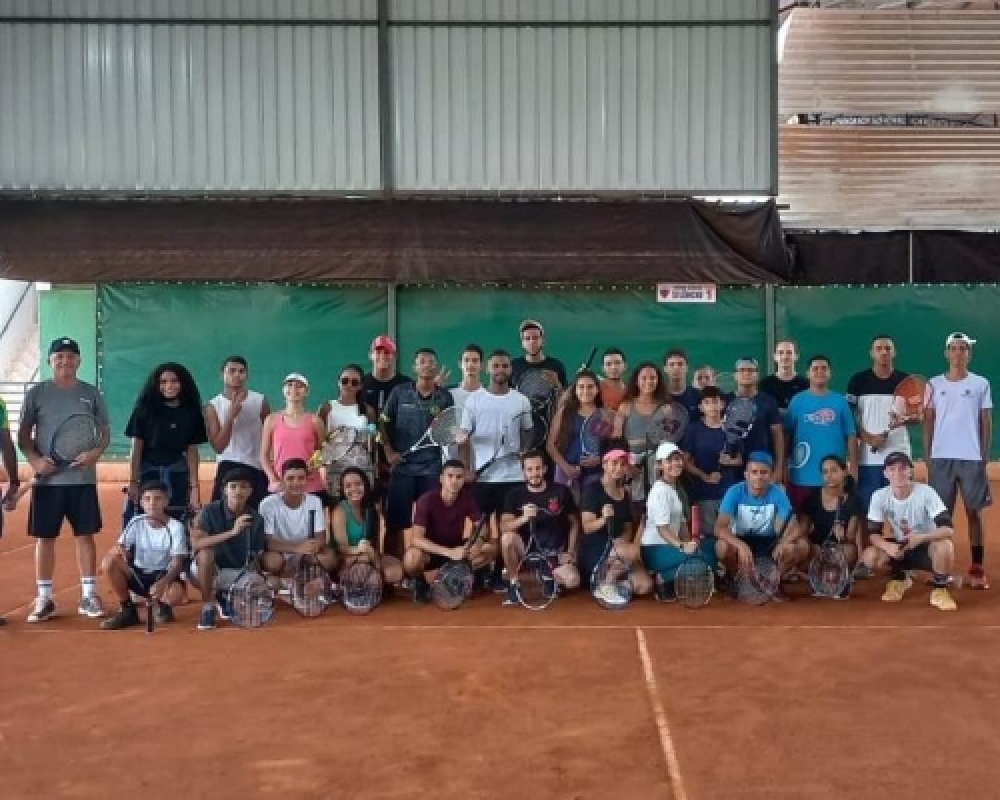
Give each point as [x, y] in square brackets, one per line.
[298, 377]
[665, 450]
[958, 336]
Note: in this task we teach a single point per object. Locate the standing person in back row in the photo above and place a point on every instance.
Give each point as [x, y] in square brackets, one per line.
[533, 340]
[376, 388]
[958, 430]
[675, 367]
[785, 383]
[65, 494]
[234, 419]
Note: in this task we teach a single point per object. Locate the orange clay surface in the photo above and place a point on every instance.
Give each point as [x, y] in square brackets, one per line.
[810, 700]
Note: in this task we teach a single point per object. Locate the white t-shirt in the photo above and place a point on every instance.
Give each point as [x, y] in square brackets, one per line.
[914, 514]
[154, 545]
[663, 507]
[292, 524]
[498, 424]
[459, 395]
[244, 444]
[341, 416]
[956, 407]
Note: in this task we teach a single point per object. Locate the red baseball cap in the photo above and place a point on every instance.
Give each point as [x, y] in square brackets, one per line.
[383, 342]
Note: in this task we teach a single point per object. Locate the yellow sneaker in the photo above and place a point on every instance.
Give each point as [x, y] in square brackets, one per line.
[894, 590]
[942, 600]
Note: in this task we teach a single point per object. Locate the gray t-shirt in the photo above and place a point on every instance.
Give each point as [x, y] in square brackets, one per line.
[46, 406]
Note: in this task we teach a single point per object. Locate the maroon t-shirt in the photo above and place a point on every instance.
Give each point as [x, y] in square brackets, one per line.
[445, 524]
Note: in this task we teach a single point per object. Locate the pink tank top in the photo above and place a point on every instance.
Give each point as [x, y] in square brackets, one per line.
[297, 441]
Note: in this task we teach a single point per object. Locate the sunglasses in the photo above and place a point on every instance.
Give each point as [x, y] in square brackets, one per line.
[345, 381]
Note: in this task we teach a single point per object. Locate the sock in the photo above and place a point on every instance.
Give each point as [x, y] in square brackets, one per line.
[977, 555]
[208, 606]
[89, 586]
[44, 589]
[939, 581]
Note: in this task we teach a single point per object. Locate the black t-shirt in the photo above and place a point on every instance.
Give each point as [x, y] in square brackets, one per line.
[232, 553]
[555, 508]
[689, 399]
[375, 392]
[595, 497]
[166, 432]
[521, 365]
[406, 416]
[822, 520]
[783, 391]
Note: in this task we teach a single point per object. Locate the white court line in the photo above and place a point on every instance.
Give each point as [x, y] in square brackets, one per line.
[663, 728]
[16, 549]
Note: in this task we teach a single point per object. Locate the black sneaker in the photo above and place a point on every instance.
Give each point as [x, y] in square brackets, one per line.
[2, 622]
[206, 621]
[124, 617]
[664, 591]
[511, 598]
[223, 606]
[498, 584]
[164, 614]
[421, 592]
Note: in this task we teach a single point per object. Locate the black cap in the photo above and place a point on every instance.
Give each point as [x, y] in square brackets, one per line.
[64, 343]
[896, 457]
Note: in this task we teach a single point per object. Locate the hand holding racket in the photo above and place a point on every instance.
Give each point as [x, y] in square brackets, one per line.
[74, 444]
[907, 405]
[736, 424]
[611, 581]
[829, 572]
[453, 583]
[443, 431]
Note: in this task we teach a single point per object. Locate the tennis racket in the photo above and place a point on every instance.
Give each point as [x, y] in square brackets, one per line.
[829, 571]
[75, 435]
[694, 580]
[737, 424]
[342, 440]
[589, 360]
[541, 387]
[611, 582]
[444, 431]
[761, 583]
[452, 585]
[311, 587]
[600, 425]
[131, 534]
[510, 431]
[666, 424]
[251, 598]
[801, 453]
[725, 382]
[908, 403]
[536, 583]
[361, 580]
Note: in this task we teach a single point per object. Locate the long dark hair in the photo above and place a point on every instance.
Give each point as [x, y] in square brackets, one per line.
[570, 406]
[632, 387]
[369, 502]
[150, 399]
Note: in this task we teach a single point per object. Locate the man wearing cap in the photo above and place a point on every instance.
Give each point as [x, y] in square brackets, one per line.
[376, 388]
[291, 433]
[66, 494]
[910, 529]
[666, 537]
[820, 423]
[958, 430]
[756, 519]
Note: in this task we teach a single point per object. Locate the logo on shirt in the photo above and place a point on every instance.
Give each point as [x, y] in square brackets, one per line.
[822, 417]
[553, 505]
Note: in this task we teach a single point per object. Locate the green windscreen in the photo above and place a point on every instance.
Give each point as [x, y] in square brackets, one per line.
[277, 328]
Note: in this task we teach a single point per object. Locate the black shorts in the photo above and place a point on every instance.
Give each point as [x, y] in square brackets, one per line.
[760, 545]
[490, 496]
[140, 581]
[917, 559]
[51, 505]
[434, 561]
[402, 493]
[259, 478]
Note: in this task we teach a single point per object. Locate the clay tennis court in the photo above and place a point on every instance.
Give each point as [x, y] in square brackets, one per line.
[807, 700]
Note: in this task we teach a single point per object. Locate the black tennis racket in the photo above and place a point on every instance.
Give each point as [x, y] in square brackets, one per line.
[251, 598]
[75, 435]
[589, 360]
[611, 581]
[541, 387]
[452, 585]
[536, 582]
[444, 431]
[666, 424]
[737, 424]
[130, 536]
[311, 586]
[361, 579]
[830, 571]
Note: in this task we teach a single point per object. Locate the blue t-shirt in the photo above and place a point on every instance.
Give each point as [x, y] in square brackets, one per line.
[818, 426]
[705, 445]
[690, 399]
[756, 516]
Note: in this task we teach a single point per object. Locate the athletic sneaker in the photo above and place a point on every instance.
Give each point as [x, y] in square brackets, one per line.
[207, 619]
[496, 583]
[223, 605]
[977, 577]
[511, 598]
[942, 600]
[608, 594]
[90, 607]
[124, 617]
[164, 614]
[421, 592]
[861, 572]
[894, 590]
[43, 609]
[664, 591]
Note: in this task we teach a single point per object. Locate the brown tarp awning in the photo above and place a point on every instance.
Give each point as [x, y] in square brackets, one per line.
[401, 241]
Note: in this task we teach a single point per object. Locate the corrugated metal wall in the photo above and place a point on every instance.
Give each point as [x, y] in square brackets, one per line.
[596, 95]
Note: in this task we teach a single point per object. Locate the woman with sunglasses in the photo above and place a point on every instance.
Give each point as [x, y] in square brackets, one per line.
[348, 410]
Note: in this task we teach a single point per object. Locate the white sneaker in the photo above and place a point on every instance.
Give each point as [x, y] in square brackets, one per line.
[91, 607]
[44, 608]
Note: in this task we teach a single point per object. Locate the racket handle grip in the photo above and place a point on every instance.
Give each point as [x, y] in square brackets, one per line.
[695, 523]
[149, 616]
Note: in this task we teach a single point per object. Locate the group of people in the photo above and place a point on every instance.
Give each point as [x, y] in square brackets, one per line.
[814, 463]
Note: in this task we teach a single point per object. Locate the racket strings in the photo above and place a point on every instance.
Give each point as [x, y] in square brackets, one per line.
[612, 582]
[667, 424]
[75, 436]
[446, 427]
[311, 588]
[598, 426]
[536, 584]
[829, 572]
[453, 585]
[338, 444]
[694, 583]
[361, 587]
[537, 387]
[251, 601]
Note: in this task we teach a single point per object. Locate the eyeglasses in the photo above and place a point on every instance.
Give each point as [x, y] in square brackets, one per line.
[345, 381]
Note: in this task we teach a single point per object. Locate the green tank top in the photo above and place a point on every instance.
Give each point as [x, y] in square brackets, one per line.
[355, 527]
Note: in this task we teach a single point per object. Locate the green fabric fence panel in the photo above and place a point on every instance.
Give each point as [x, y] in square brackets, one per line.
[840, 321]
[575, 320]
[277, 328]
